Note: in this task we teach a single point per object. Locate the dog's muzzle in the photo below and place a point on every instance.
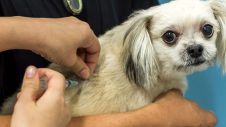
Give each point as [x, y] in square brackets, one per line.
[195, 52]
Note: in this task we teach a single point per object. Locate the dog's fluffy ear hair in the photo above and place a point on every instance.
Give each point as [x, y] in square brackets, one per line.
[219, 10]
[141, 66]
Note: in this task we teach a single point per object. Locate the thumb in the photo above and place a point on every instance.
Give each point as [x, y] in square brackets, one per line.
[80, 68]
[210, 119]
[30, 86]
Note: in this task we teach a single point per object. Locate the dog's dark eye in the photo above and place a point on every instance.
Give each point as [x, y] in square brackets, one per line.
[170, 37]
[207, 30]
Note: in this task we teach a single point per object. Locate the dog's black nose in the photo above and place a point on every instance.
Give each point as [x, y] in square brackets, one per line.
[195, 51]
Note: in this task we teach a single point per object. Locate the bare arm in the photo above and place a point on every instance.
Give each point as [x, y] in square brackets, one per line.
[46, 36]
[128, 119]
[171, 109]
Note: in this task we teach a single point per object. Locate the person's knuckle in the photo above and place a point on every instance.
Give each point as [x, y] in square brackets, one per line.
[86, 30]
[72, 19]
[85, 25]
[69, 62]
[73, 63]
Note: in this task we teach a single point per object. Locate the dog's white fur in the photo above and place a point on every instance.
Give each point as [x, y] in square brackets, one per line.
[136, 65]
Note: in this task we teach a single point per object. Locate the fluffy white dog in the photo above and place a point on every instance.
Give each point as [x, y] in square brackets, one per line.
[151, 53]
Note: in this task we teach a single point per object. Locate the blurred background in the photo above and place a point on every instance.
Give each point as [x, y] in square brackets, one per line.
[208, 89]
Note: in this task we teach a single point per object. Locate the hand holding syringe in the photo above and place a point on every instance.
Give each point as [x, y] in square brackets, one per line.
[42, 105]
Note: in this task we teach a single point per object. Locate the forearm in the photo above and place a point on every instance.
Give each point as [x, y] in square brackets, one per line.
[128, 119]
[108, 120]
[5, 121]
[18, 33]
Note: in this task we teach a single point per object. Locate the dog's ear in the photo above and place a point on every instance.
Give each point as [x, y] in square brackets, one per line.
[141, 66]
[219, 10]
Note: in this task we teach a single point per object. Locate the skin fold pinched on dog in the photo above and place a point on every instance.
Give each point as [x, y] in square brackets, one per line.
[150, 53]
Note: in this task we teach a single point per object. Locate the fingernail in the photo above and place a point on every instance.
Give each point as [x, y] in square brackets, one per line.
[84, 73]
[30, 72]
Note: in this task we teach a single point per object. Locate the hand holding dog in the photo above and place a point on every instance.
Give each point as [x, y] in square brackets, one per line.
[79, 47]
[65, 41]
[172, 109]
[49, 110]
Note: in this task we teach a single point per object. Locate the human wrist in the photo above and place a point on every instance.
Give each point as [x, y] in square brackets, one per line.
[27, 33]
[8, 33]
[20, 33]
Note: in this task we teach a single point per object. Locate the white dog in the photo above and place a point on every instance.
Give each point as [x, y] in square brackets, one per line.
[151, 53]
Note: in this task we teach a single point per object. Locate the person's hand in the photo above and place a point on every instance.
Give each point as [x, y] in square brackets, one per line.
[49, 110]
[69, 42]
[66, 41]
[176, 111]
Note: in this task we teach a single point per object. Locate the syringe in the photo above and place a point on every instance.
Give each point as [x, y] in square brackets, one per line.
[68, 83]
